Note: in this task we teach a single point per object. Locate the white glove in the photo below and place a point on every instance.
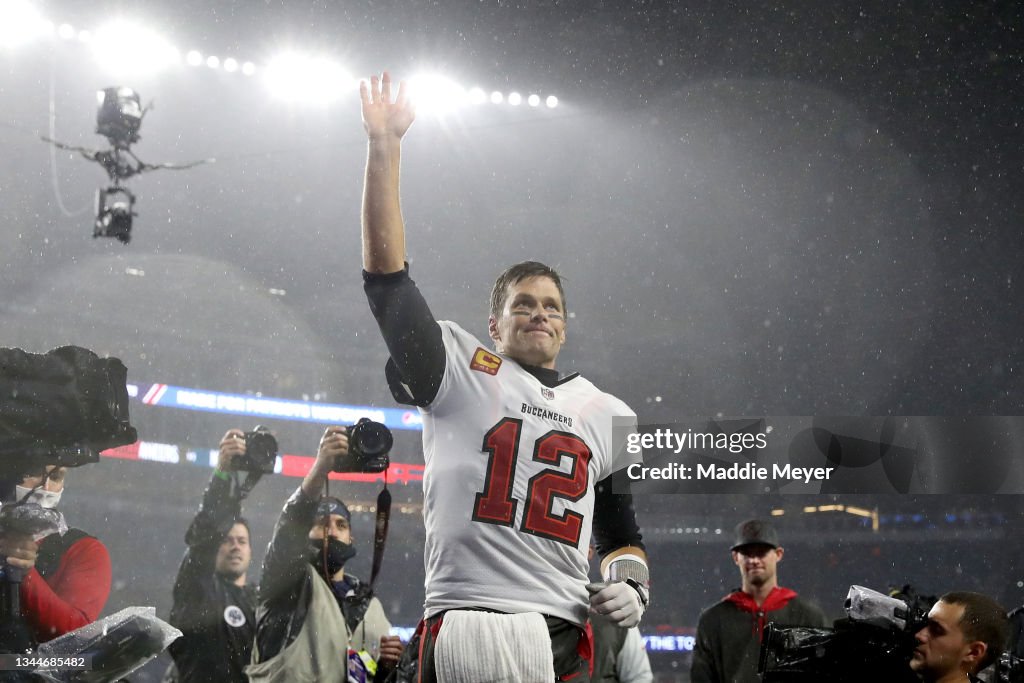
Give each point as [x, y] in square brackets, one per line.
[618, 602]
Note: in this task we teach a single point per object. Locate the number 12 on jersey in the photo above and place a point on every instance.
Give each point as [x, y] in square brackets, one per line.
[495, 504]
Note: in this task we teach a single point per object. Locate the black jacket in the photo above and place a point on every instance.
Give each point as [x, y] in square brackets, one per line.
[729, 634]
[216, 617]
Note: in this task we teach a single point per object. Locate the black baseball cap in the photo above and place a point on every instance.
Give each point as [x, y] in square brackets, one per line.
[755, 532]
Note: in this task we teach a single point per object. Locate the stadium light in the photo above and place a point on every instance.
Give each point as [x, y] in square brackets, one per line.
[436, 94]
[551, 101]
[248, 68]
[515, 99]
[20, 22]
[300, 78]
[66, 31]
[194, 58]
[125, 48]
[533, 100]
[497, 97]
[477, 96]
[231, 65]
[213, 62]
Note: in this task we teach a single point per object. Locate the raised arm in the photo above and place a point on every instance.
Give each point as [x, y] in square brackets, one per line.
[218, 511]
[385, 123]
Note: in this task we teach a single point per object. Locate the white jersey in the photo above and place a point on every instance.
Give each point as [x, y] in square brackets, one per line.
[508, 487]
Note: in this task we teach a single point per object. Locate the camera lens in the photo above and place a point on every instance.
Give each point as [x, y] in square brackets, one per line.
[372, 439]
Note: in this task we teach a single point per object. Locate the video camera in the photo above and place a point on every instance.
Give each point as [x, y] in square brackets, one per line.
[369, 443]
[59, 408]
[875, 641]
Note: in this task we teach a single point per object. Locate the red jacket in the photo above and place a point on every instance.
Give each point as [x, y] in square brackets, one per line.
[70, 596]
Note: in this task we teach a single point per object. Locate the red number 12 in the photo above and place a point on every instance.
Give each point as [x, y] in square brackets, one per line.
[495, 504]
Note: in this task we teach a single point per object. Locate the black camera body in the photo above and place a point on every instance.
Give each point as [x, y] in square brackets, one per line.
[369, 443]
[260, 452]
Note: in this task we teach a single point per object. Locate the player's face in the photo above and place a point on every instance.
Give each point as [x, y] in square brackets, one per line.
[757, 563]
[531, 328]
[337, 527]
[941, 645]
[235, 553]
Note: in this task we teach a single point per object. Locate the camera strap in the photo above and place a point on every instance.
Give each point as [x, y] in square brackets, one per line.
[380, 529]
[243, 488]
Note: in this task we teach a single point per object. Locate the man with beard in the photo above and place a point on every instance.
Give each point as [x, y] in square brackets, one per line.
[315, 621]
[213, 606]
[729, 632]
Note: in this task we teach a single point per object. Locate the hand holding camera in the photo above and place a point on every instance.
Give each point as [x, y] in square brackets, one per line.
[18, 550]
[254, 451]
[232, 448]
[363, 447]
[333, 454]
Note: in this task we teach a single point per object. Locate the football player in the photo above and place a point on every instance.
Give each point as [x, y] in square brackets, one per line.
[518, 458]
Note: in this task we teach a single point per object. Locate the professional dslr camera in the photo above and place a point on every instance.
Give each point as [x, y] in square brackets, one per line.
[260, 452]
[874, 642]
[369, 444]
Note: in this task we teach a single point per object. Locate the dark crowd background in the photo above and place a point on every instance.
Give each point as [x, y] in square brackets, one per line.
[790, 208]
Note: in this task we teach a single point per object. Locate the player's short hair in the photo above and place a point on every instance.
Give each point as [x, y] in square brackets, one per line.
[984, 619]
[518, 273]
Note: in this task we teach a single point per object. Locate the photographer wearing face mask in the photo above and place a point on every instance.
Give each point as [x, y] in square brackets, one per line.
[214, 607]
[66, 576]
[315, 621]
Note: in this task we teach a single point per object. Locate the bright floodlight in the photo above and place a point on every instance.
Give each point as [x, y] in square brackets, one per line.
[551, 101]
[436, 94]
[128, 49]
[515, 99]
[84, 37]
[66, 31]
[497, 97]
[248, 68]
[300, 78]
[20, 22]
[193, 58]
[231, 65]
[533, 100]
[477, 96]
[213, 62]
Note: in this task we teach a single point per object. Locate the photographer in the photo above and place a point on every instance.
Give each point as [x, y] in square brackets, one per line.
[316, 622]
[213, 606]
[67, 576]
[965, 633]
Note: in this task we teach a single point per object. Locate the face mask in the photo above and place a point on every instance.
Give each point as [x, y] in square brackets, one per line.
[42, 497]
[338, 554]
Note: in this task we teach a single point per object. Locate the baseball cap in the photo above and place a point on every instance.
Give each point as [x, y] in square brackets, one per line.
[755, 532]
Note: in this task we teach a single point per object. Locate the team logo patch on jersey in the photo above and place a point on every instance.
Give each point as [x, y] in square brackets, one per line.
[547, 393]
[234, 616]
[485, 361]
